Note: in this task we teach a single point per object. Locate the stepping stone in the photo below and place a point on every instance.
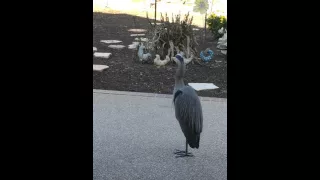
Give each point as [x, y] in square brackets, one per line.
[99, 68]
[110, 41]
[102, 55]
[94, 49]
[141, 39]
[116, 46]
[202, 86]
[137, 30]
[133, 45]
[137, 34]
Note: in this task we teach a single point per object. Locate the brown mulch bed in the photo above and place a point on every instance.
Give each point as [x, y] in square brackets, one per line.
[127, 74]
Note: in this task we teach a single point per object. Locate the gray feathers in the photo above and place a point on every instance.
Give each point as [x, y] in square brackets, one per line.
[188, 108]
[188, 112]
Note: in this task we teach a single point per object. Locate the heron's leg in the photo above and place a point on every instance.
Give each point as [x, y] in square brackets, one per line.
[186, 147]
[185, 153]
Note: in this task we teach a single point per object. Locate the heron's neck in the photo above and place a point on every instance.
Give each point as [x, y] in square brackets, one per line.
[179, 83]
[179, 75]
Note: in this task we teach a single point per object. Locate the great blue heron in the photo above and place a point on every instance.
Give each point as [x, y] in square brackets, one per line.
[188, 110]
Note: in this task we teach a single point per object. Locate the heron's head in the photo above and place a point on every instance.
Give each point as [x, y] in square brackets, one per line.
[181, 66]
[180, 58]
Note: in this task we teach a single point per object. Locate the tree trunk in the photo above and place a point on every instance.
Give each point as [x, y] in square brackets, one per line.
[155, 12]
[205, 26]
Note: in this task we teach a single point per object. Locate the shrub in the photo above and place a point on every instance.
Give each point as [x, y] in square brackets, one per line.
[215, 23]
[177, 32]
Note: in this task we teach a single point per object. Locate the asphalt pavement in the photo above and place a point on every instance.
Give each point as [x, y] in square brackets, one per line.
[135, 135]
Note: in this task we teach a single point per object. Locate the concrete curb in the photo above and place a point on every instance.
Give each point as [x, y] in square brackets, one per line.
[98, 91]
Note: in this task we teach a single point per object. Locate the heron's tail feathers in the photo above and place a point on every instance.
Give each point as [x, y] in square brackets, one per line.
[194, 141]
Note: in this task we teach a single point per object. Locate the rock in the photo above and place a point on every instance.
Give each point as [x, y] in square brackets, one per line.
[99, 68]
[102, 55]
[137, 30]
[116, 46]
[202, 86]
[110, 41]
[137, 34]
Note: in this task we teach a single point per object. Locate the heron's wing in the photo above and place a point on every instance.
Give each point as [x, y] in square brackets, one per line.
[188, 109]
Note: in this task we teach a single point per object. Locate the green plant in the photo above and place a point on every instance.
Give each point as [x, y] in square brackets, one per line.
[215, 23]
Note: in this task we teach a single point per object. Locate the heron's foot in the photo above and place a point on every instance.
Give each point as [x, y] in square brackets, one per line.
[182, 153]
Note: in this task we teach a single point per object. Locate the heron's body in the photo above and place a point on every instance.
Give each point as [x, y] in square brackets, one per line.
[189, 114]
[188, 110]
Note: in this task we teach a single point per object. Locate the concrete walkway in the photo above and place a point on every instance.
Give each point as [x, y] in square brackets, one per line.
[135, 135]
